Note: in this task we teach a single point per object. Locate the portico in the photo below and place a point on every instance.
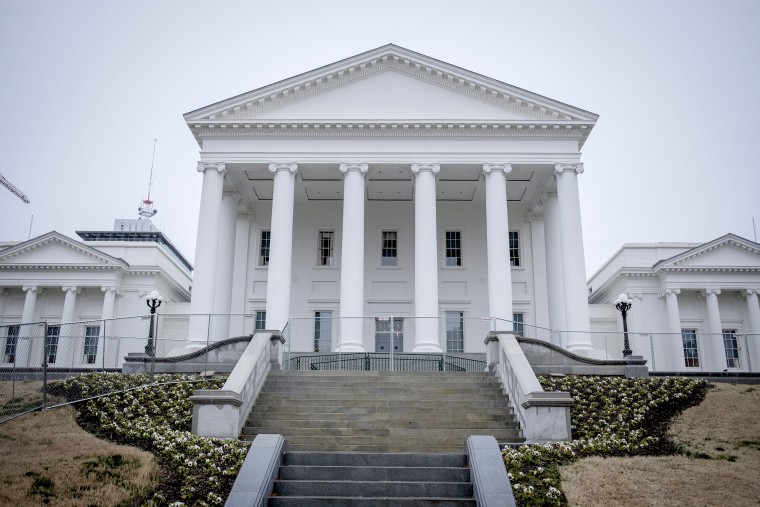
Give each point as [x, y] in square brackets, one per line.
[358, 211]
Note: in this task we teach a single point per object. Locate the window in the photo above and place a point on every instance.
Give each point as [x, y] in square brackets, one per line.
[454, 332]
[514, 248]
[266, 238]
[51, 342]
[261, 320]
[454, 248]
[690, 351]
[11, 340]
[518, 324]
[322, 331]
[731, 346]
[91, 335]
[389, 253]
[325, 248]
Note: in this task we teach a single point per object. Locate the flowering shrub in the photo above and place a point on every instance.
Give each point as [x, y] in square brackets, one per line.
[157, 417]
[611, 416]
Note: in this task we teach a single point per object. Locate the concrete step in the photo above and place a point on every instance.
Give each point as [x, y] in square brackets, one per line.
[473, 403]
[364, 414]
[376, 448]
[401, 459]
[420, 443]
[375, 473]
[346, 434]
[327, 501]
[374, 387]
[387, 489]
[261, 425]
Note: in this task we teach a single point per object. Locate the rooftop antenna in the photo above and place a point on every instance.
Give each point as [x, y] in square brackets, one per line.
[753, 228]
[146, 210]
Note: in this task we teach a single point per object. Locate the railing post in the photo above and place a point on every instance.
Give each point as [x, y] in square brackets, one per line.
[45, 349]
[103, 350]
[208, 337]
[393, 341]
[366, 362]
[749, 352]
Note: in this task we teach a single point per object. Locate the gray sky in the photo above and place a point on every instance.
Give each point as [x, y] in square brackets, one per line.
[87, 85]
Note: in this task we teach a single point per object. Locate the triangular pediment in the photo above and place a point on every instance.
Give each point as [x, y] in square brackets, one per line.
[727, 252]
[54, 251]
[389, 95]
[390, 83]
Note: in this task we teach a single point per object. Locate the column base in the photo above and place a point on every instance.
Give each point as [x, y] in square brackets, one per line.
[350, 347]
[420, 348]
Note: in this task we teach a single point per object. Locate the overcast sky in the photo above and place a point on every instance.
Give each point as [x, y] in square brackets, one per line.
[87, 85]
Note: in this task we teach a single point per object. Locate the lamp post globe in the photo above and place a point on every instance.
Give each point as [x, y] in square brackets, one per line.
[623, 304]
[153, 300]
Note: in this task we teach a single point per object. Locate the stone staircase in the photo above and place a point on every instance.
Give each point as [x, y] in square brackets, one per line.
[381, 411]
[372, 479]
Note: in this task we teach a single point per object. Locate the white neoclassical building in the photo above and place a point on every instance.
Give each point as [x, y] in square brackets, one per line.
[392, 184]
[95, 282]
[695, 305]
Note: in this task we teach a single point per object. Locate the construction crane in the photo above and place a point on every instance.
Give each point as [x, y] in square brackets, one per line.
[7, 184]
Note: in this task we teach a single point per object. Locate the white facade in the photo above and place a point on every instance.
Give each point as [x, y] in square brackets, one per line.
[59, 280]
[391, 183]
[695, 306]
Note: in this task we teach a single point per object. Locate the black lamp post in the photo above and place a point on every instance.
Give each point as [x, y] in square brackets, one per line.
[623, 303]
[153, 300]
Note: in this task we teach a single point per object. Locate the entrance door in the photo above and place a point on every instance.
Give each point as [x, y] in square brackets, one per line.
[383, 334]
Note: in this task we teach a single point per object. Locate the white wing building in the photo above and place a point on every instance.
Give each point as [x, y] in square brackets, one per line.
[392, 184]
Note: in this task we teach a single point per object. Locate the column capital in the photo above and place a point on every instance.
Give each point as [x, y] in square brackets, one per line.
[29, 288]
[205, 166]
[749, 292]
[291, 167]
[109, 288]
[434, 168]
[534, 217]
[711, 290]
[545, 196]
[70, 288]
[671, 290]
[231, 194]
[362, 168]
[507, 168]
[560, 168]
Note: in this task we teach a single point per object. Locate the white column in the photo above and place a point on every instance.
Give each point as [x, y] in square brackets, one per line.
[715, 354]
[206, 251]
[497, 243]
[30, 304]
[109, 297]
[69, 303]
[554, 278]
[753, 309]
[28, 335]
[540, 284]
[240, 263]
[226, 253]
[352, 259]
[426, 337]
[573, 258]
[281, 245]
[669, 348]
[70, 340]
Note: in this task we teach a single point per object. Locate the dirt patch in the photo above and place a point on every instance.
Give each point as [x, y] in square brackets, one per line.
[47, 459]
[721, 440]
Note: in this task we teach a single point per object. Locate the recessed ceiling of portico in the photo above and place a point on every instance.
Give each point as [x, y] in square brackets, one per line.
[389, 182]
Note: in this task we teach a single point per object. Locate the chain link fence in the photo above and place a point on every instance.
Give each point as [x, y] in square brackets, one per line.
[37, 356]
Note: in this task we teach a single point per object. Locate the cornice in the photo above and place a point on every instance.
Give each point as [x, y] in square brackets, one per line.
[53, 238]
[62, 267]
[708, 269]
[389, 129]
